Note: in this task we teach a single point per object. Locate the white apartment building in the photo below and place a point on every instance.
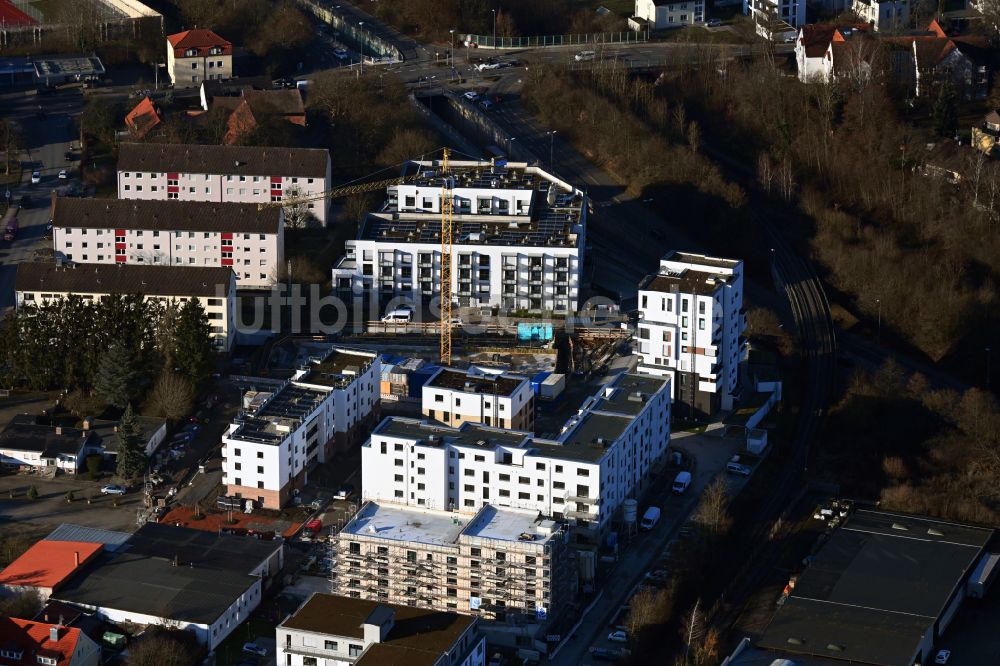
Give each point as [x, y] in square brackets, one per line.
[224, 174]
[215, 288]
[478, 395]
[661, 15]
[278, 437]
[691, 320]
[775, 17]
[198, 55]
[603, 455]
[329, 630]
[883, 15]
[501, 564]
[172, 233]
[519, 238]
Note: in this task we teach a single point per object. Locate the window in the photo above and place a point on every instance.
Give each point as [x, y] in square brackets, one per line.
[309, 661]
[329, 645]
[354, 650]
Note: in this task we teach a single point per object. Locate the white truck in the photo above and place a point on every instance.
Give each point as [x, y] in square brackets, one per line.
[650, 518]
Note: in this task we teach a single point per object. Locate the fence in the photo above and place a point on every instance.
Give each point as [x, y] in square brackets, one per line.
[539, 41]
[363, 41]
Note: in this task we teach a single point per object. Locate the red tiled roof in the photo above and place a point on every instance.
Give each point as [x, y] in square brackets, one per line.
[33, 639]
[201, 39]
[48, 564]
[142, 118]
[12, 16]
[816, 38]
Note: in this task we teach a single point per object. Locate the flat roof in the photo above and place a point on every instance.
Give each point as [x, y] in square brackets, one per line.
[338, 369]
[481, 383]
[876, 587]
[111, 540]
[689, 281]
[589, 439]
[78, 67]
[504, 524]
[47, 564]
[418, 636]
[200, 548]
[285, 410]
[469, 434]
[629, 394]
[201, 281]
[23, 434]
[399, 522]
[703, 259]
[166, 216]
[138, 583]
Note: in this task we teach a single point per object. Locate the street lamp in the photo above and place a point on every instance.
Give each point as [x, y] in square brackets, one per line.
[451, 52]
[552, 144]
[987, 349]
[361, 39]
[878, 334]
[494, 28]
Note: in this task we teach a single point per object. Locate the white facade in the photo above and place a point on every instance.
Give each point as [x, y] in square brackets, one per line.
[220, 308]
[604, 455]
[454, 397]
[661, 15]
[198, 55]
[883, 15]
[254, 257]
[691, 318]
[270, 448]
[519, 235]
[766, 13]
[207, 180]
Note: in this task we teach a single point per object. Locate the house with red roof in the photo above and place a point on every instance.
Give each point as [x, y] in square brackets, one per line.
[257, 107]
[143, 118]
[198, 55]
[24, 642]
[824, 51]
[46, 566]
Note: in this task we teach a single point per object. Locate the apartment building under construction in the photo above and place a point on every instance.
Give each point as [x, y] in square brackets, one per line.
[506, 565]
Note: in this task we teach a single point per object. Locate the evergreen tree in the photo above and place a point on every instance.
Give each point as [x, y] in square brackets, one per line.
[193, 343]
[132, 459]
[945, 112]
[117, 380]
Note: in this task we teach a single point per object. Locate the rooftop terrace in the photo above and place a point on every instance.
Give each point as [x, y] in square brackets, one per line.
[470, 434]
[403, 523]
[499, 384]
[337, 370]
[279, 416]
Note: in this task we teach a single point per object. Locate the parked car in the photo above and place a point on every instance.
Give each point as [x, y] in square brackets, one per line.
[344, 492]
[190, 427]
[486, 105]
[112, 489]
[942, 657]
[401, 315]
[713, 23]
[341, 54]
[63, 174]
[36, 177]
[603, 654]
[253, 648]
[471, 95]
[618, 636]
[583, 56]
[681, 483]
[736, 468]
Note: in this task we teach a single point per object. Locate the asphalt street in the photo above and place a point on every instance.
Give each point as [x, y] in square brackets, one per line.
[47, 136]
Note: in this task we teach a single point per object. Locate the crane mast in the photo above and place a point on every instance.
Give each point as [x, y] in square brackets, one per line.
[447, 202]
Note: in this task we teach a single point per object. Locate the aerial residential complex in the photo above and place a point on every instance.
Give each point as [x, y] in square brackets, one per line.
[280, 436]
[215, 288]
[500, 564]
[691, 320]
[328, 629]
[604, 455]
[519, 238]
[454, 397]
[172, 233]
[224, 174]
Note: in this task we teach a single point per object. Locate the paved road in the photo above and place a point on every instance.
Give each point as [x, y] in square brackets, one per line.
[47, 138]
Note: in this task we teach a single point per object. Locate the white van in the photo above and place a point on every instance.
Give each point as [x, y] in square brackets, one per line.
[585, 55]
[681, 483]
[400, 315]
[650, 518]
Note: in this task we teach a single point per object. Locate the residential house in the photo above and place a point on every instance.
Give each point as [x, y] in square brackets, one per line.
[883, 15]
[30, 643]
[986, 136]
[47, 566]
[46, 448]
[243, 237]
[825, 52]
[659, 15]
[454, 397]
[214, 287]
[931, 58]
[329, 629]
[198, 55]
[775, 18]
[141, 120]
[255, 108]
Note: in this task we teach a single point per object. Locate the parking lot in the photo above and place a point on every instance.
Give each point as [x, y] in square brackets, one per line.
[51, 507]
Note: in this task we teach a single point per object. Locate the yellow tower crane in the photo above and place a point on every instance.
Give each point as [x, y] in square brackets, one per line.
[447, 203]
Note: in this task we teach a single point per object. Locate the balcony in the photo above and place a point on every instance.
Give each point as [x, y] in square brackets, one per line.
[581, 515]
[583, 499]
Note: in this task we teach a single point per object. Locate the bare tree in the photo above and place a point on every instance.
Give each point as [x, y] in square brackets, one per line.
[172, 395]
[692, 630]
[765, 171]
[712, 511]
[297, 214]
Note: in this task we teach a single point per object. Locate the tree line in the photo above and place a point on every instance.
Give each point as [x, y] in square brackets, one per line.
[109, 352]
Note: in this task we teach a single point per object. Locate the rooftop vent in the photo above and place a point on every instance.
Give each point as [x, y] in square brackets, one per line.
[792, 640]
[901, 527]
[833, 647]
[933, 532]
